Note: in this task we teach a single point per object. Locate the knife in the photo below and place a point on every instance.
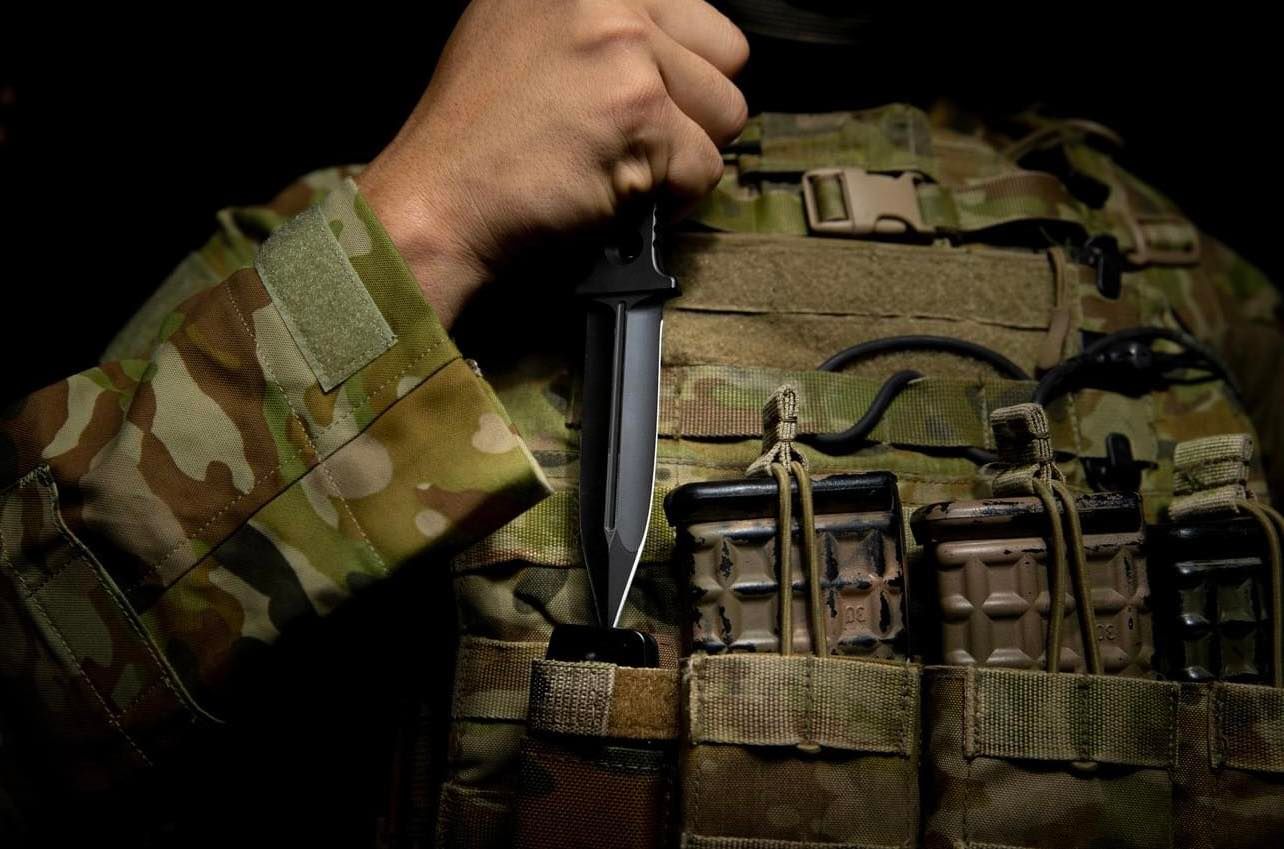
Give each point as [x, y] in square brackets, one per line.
[624, 297]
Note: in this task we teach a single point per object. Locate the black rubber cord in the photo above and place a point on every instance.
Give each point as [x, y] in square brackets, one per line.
[948, 344]
[1124, 362]
[847, 441]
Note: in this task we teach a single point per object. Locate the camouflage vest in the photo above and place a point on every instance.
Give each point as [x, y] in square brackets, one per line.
[829, 231]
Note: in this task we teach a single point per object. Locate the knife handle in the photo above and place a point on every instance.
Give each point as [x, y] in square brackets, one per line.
[629, 263]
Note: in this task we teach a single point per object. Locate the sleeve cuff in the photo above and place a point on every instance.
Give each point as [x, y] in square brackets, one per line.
[413, 456]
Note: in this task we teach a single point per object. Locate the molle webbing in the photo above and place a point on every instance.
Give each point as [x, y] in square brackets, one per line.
[762, 191]
[724, 402]
[492, 678]
[769, 700]
[1248, 728]
[603, 700]
[1037, 716]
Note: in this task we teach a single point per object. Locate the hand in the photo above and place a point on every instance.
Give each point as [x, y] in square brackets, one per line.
[544, 117]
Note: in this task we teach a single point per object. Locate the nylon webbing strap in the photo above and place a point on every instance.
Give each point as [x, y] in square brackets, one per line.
[1055, 717]
[548, 535]
[603, 700]
[896, 137]
[492, 678]
[995, 201]
[1249, 727]
[858, 203]
[770, 700]
[695, 841]
[724, 401]
[1210, 475]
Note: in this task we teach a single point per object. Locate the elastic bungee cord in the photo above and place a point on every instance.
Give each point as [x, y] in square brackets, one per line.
[1067, 574]
[847, 441]
[1124, 362]
[1272, 524]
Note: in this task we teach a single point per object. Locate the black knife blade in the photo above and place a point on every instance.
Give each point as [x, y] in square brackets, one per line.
[625, 297]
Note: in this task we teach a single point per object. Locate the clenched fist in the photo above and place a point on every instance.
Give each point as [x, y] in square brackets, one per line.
[543, 118]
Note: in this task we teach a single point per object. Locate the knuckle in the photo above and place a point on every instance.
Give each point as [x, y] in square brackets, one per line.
[619, 27]
[641, 101]
[632, 178]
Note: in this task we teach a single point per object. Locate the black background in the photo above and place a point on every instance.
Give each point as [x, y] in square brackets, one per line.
[122, 137]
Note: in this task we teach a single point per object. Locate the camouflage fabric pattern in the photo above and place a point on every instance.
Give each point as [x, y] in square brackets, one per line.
[823, 751]
[171, 515]
[725, 342]
[583, 797]
[1099, 762]
[292, 548]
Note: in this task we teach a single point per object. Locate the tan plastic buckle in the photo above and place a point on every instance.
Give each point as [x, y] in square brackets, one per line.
[873, 204]
[1144, 252]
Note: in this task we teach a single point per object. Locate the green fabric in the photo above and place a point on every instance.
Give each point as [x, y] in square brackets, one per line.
[492, 678]
[322, 300]
[769, 700]
[1059, 717]
[722, 401]
[1249, 727]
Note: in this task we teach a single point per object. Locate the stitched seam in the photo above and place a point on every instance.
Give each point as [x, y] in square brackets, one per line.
[145, 692]
[53, 507]
[321, 462]
[81, 556]
[333, 424]
[98, 696]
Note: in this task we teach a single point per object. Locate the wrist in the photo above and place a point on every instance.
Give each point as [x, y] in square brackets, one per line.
[426, 237]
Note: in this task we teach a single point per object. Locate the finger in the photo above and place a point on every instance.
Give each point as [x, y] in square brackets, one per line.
[700, 90]
[694, 164]
[703, 30]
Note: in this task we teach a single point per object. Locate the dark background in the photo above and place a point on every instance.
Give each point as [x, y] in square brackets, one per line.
[118, 141]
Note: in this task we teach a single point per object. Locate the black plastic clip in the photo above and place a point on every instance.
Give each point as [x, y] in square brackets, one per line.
[1102, 254]
[1118, 471]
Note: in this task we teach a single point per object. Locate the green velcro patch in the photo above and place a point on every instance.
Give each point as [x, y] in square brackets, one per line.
[327, 308]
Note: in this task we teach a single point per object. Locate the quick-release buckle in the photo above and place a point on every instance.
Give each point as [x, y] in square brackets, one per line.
[854, 203]
[1161, 239]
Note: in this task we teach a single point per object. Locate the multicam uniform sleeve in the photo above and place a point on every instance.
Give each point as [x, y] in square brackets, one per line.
[297, 432]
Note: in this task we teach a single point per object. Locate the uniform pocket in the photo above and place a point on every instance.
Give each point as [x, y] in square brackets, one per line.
[798, 750]
[596, 766]
[83, 675]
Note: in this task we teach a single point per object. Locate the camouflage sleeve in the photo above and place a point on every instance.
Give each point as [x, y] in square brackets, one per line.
[294, 433]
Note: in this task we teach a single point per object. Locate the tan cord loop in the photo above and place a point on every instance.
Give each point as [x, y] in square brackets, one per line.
[1272, 525]
[1082, 588]
[784, 547]
[779, 430]
[1057, 576]
[819, 637]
